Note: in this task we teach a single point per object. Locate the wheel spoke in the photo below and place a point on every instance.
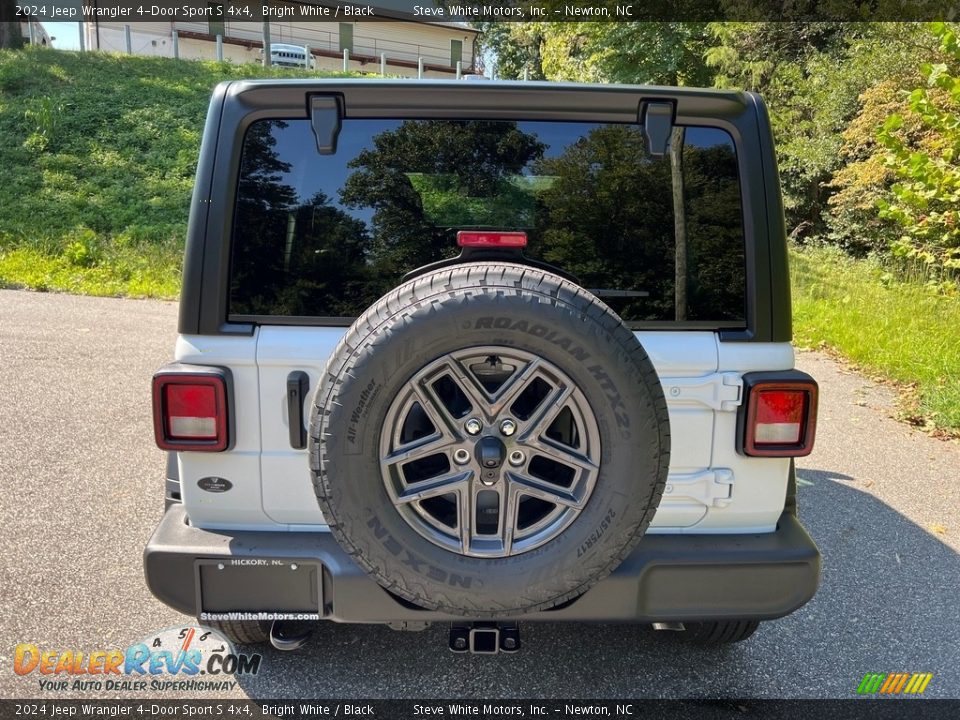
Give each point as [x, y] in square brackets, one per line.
[537, 424]
[508, 518]
[535, 487]
[470, 387]
[418, 449]
[436, 411]
[465, 519]
[454, 482]
[563, 454]
[515, 386]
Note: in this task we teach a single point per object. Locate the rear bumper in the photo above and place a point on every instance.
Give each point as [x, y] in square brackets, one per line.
[667, 577]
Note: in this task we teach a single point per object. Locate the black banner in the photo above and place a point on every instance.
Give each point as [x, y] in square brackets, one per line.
[472, 11]
[484, 709]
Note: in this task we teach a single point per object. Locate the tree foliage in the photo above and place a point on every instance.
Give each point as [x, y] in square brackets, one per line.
[813, 77]
[326, 245]
[11, 37]
[659, 53]
[516, 46]
[829, 86]
[926, 196]
[474, 159]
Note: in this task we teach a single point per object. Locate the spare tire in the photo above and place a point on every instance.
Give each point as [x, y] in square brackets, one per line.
[489, 440]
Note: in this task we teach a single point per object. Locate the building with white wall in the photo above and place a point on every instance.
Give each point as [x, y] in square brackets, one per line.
[402, 43]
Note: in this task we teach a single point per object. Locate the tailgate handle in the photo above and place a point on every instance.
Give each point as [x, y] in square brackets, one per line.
[298, 382]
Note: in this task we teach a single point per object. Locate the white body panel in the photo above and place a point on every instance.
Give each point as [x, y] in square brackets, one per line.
[711, 489]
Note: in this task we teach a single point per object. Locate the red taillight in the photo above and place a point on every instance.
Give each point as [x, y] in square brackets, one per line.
[781, 417]
[470, 238]
[190, 411]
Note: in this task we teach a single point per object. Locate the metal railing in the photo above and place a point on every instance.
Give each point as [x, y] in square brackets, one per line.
[373, 55]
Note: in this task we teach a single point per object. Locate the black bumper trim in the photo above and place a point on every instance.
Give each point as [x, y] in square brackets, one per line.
[666, 578]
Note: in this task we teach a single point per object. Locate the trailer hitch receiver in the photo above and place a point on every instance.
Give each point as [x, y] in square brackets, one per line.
[485, 638]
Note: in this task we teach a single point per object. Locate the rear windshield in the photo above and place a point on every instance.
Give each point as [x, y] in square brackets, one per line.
[324, 236]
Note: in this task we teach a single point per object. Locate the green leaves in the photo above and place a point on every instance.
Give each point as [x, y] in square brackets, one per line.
[659, 53]
[923, 200]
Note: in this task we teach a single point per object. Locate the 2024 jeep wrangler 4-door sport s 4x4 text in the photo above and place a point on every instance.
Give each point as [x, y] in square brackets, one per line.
[482, 353]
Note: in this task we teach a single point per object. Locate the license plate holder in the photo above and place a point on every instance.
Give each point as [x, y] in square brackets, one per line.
[258, 585]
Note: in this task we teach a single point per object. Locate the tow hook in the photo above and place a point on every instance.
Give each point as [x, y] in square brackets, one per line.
[289, 635]
[485, 638]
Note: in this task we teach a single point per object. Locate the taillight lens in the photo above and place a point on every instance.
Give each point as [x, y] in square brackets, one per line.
[470, 238]
[781, 415]
[190, 411]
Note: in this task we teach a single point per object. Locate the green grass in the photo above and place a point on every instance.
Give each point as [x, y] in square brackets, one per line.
[131, 274]
[901, 330]
[98, 154]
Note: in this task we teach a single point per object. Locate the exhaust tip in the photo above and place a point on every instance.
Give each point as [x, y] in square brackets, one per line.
[671, 626]
[287, 636]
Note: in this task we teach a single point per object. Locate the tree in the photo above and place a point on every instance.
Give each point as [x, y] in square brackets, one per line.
[291, 257]
[812, 76]
[607, 218]
[924, 201]
[679, 221]
[426, 177]
[610, 218]
[11, 37]
[516, 47]
[659, 53]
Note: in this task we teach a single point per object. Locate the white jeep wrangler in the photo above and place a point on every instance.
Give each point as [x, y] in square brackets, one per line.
[483, 353]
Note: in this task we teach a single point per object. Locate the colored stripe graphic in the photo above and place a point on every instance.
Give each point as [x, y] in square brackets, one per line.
[894, 683]
[870, 683]
[889, 683]
[914, 682]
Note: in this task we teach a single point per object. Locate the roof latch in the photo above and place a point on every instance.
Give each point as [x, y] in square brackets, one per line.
[326, 113]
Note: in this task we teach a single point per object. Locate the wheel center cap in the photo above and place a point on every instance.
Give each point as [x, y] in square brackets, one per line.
[490, 452]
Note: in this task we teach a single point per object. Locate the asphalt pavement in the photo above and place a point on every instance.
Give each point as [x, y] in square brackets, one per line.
[81, 489]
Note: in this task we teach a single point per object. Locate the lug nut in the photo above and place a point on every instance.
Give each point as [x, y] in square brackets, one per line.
[473, 426]
[508, 427]
[517, 458]
[461, 456]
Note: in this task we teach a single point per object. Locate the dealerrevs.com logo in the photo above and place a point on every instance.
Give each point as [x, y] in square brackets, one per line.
[177, 659]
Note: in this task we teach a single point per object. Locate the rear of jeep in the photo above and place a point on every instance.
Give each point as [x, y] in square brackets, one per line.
[477, 354]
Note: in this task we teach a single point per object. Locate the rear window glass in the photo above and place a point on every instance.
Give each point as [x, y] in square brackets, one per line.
[658, 238]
